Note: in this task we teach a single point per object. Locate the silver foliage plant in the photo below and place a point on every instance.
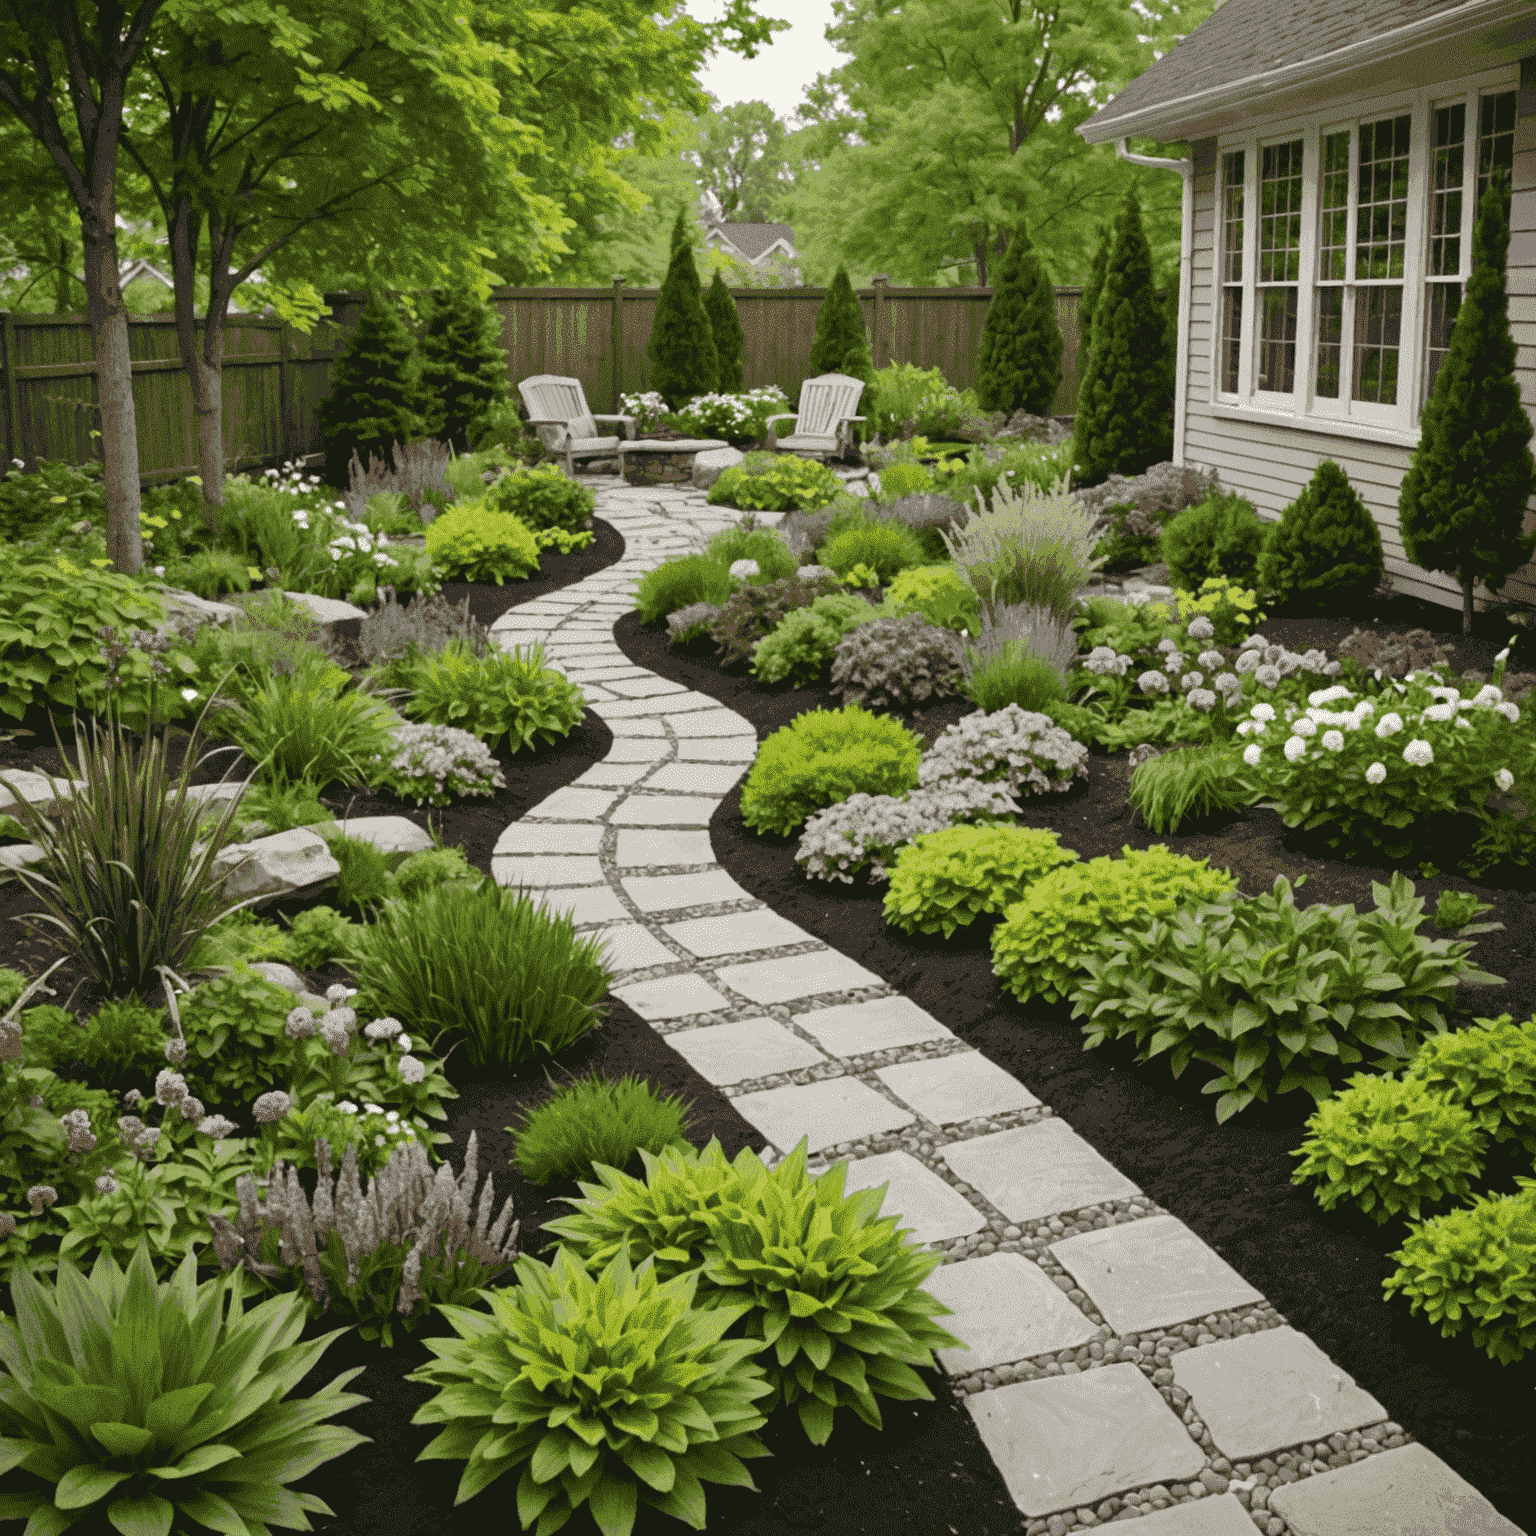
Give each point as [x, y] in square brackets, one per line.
[1034, 627]
[898, 661]
[1017, 748]
[436, 762]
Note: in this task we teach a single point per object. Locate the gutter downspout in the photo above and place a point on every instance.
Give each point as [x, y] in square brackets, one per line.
[1186, 169]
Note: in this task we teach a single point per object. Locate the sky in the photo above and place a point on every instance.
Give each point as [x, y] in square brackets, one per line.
[781, 71]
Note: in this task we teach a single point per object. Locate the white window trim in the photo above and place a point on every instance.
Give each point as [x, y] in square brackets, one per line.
[1397, 424]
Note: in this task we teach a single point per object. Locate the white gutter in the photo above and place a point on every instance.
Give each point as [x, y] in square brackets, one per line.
[1186, 169]
[1160, 120]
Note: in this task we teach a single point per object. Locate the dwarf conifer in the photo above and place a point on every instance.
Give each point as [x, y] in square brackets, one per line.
[682, 345]
[730, 343]
[463, 368]
[841, 344]
[1019, 367]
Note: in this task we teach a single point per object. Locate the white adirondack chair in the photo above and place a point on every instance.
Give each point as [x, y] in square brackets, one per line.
[557, 411]
[823, 429]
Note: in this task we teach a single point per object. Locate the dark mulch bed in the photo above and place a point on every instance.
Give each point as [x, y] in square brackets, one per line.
[1230, 1183]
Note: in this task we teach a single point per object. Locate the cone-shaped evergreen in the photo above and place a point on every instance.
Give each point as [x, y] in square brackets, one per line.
[682, 344]
[1463, 499]
[1325, 552]
[841, 345]
[463, 369]
[1124, 418]
[1092, 290]
[730, 343]
[376, 398]
[1020, 363]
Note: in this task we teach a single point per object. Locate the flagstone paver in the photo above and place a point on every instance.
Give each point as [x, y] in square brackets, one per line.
[1118, 1366]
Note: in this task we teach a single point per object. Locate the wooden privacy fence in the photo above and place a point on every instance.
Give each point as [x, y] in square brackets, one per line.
[274, 375]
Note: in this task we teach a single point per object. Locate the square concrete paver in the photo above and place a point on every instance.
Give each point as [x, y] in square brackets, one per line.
[657, 850]
[882, 1024]
[642, 810]
[1006, 1308]
[584, 903]
[1152, 1274]
[632, 947]
[639, 725]
[779, 981]
[934, 1211]
[736, 933]
[526, 837]
[574, 803]
[956, 1088]
[512, 870]
[833, 1110]
[1038, 1171]
[644, 687]
[666, 893]
[1268, 1390]
[671, 997]
[1068, 1441]
[1404, 1492]
[697, 778]
[1222, 1516]
[732, 1053]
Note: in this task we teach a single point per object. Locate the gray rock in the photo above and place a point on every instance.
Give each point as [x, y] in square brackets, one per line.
[328, 611]
[15, 856]
[742, 569]
[1034, 429]
[712, 463]
[281, 976]
[1157, 494]
[816, 573]
[215, 795]
[37, 789]
[200, 610]
[277, 865]
[389, 834]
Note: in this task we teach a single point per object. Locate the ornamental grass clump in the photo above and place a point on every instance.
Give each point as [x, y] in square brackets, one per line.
[1389, 1146]
[774, 558]
[831, 1284]
[681, 582]
[608, 1391]
[946, 880]
[1190, 784]
[886, 548]
[597, 1120]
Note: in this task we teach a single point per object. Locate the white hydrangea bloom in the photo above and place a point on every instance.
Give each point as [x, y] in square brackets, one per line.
[1419, 753]
[1375, 773]
[1511, 712]
[1439, 713]
[1153, 682]
[1252, 754]
[1202, 698]
[1504, 779]
[1389, 725]
[1304, 726]
[1267, 676]
[1333, 740]
[1200, 628]
[1212, 661]
[1191, 680]
[1295, 749]
[1329, 695]
[1263, 712]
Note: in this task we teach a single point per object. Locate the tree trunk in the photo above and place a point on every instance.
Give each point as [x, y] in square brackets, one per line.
[204, 363]
[1467, 583]
[981, 262]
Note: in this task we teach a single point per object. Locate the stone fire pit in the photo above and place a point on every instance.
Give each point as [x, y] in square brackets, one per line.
[666, 462]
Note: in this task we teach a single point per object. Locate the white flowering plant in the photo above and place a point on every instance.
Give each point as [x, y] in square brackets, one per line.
[435, 764]
[739, 419]
[1369, 771]
[1025, 752]
[649, 410]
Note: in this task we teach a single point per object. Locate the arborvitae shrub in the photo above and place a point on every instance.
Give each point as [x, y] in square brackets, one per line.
[682, 345]
[1092, 290]
[1219, 536]
[730, 343]
[1325, 552]
[841, 345]
[463, 368]
[1020, 363]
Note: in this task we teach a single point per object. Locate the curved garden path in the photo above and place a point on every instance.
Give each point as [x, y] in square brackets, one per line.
[1118, 1366]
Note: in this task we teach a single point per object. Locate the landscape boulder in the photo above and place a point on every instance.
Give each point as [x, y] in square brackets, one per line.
[709, 465]
[36, 789]
[389, 834]
[1157, 493]
[279, 865]
[340, 619]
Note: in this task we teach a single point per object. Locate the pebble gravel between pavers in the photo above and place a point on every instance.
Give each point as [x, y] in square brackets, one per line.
[1092, 1416]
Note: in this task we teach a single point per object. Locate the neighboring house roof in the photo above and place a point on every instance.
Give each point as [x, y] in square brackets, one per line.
[753, 242]
[1247, 49]
[131, 270]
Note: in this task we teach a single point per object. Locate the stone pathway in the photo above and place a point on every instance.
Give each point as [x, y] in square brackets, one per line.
[1118, 1367]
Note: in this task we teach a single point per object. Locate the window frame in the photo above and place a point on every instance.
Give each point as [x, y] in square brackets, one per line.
[1367, 419]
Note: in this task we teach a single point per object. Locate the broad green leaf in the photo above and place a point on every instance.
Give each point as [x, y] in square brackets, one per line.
[146, 1515]
[123, 1439]
[84, 1485]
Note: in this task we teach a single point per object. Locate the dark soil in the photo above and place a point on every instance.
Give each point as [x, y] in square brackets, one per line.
[1230, 1183]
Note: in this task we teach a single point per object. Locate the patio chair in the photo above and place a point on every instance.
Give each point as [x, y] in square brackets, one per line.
[823, 429]
[557, 411]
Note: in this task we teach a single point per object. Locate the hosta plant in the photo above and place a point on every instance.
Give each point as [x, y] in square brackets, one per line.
[505, 698]
[1389, 1145]
[1274, 996]
[831, 1285]
[1490, 1070]
[155, 1403]
[607, 1391]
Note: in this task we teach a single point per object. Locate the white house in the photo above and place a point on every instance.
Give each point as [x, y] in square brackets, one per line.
[1335, 150]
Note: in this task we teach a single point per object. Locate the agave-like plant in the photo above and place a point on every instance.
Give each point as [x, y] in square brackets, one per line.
[145, 1402]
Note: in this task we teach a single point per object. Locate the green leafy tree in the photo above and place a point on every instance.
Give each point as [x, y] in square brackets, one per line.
[40, 234]
[1124, 418]
[841, 344]
[1326, 549]
[682, 344]
[376, 396]
[463, 367]
[1462, 506]
[1019, 366]
[730, 343]
[741, 160]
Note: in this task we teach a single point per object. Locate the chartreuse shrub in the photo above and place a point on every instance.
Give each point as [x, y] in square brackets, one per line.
[1274, 996]
[504, 698]
[775, 482]
[775, 559]
[319, 936]
[806, 640]
[946, 880]
[821, 757]
[940, 593]
[1389, 1145]
[542, 496]
[472, 542]
[1490, 1071]
[1476, 1268]
[596, 1120]
[1045, 940]
[886, 548]
[1185, 785]
[607, 1391]
[679, 583]
[831, 1284]
[123, 1037]
[1217, 536]
[146, 1403]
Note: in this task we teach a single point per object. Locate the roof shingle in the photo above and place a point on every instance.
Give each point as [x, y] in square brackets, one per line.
[753, 239]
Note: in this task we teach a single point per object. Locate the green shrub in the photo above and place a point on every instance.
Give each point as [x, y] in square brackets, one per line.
[775, 482]
[806, 640]
[1204, 984]
[1045, 940]
[210, 573]
[1018, 366]
[1186, 785]
[389, 634]
[125, 1039]
[1219, 536]
[835, 1286]
[905, 401]
[681, 347]
[1325, 552]
[463, 368]
[488, 966]
[1456, 909]
[1476, 1268]
[235, 1042]
[596, 1120]
[1019, 464]
[681, 582]
[940, 593]
[821, 757]
[432, 867]
[775, 560]
[471, 542]
[1490, 1070]
[506, 697]
[364, 880]
[886, 548]
[730, 341]
[751, 612]
[143, 1403]
[1389, 1146]
[281, 806]
[608, 1392]
[841, 344]
[319, 936]
[543, 497]
[894, 663]
[1013, 675]
[946, 880]
[38, 503]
